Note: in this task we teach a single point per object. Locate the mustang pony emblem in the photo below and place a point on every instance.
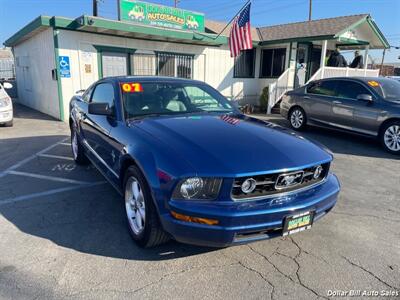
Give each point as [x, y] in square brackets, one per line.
[289, 180]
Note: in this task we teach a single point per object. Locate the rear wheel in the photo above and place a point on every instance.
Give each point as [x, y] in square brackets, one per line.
[143, 222]
[77, 149]
[297, 118]
[390, 137]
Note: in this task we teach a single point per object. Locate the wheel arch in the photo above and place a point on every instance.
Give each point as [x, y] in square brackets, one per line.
[147, 170]
[386, 122]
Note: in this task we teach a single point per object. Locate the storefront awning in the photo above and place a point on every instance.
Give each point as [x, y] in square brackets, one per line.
[115, 28]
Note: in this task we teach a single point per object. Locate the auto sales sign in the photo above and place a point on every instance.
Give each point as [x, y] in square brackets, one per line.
[160, 15]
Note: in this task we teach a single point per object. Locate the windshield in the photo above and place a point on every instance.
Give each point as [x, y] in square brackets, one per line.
[389, 89]
[166, 98]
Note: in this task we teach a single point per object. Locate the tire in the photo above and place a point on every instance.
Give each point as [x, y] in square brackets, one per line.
[9, 124]
[78, 152]
[147, 233]
[297, 118]
[390, 137]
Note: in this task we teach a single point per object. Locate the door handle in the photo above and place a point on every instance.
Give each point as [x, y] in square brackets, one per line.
[337, 102]
[306, 97]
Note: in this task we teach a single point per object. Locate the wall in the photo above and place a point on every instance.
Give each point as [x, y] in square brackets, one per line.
[211, 64]
[34, 61]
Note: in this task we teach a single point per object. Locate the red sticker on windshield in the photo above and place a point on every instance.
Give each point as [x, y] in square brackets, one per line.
[132, 87]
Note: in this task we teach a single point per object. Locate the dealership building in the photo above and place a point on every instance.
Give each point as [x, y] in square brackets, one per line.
[57, 56]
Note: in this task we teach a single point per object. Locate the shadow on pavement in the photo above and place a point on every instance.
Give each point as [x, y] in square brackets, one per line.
[88, 219]
[23, 112]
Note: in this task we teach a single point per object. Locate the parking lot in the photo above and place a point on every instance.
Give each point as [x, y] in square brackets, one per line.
[63, 232]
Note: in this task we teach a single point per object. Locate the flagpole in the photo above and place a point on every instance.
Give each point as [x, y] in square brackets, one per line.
[233, 18]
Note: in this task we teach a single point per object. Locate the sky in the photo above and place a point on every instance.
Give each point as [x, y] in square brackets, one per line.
[14, 14]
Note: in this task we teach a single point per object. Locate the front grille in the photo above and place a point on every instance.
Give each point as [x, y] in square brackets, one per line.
[271, 184]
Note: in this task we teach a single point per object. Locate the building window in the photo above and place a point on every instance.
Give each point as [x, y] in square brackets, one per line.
[244, 64]
[174, 65]
[143, 64]
[114, 64]
[272, 62]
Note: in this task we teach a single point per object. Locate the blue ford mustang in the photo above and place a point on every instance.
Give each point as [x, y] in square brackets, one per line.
[190, 166]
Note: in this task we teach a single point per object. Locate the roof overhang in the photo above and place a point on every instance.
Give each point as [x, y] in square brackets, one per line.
[115, 28]
[361, 33]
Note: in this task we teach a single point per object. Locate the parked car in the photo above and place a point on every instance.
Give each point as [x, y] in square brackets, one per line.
[394, 77]
[6, 107]
[368, 106]
[190, 166]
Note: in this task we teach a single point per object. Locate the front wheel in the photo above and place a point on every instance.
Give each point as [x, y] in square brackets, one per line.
[390, 137]
[77, 149]
[297, 118]
[141, 213]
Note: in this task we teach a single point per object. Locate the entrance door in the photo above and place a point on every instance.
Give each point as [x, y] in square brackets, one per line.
[302, 59]
[114, 64]
[315, 60]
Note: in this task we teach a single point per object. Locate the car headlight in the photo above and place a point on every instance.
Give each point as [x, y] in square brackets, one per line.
[5, 102]
[197, 188]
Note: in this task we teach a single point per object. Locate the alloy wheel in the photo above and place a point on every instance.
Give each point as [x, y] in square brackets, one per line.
[392, 138]
[135, 205]
[297, 118]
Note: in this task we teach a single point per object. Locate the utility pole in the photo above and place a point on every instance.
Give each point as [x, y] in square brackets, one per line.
[95, 10]
[383, 58]
[176, 2]
[119, 9]
[310, 11]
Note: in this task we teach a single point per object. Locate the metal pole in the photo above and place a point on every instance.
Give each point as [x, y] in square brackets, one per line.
[310, 11]
[232, 19]
[176, 3]
[383, 58]
[119, 9]
[95, 10]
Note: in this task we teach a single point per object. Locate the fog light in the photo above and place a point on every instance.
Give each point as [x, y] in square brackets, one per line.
[317, 172]
[186, 218]
[248, 185]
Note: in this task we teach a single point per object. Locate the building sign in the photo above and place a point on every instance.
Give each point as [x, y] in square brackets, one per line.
[159, 15]
[65, 70]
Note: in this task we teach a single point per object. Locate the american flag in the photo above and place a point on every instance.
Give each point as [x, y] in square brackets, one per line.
[240, 36]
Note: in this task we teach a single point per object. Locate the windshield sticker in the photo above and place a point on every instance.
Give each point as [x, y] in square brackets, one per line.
[132, 87]
[373, 83]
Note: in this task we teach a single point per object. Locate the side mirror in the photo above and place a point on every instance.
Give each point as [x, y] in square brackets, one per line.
[365, 97]
[7, 85]
[99, 108]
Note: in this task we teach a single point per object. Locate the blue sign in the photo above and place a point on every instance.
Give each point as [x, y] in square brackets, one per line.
[65, 69]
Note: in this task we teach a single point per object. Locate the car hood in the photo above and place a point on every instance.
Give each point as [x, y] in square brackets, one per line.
[221, 145]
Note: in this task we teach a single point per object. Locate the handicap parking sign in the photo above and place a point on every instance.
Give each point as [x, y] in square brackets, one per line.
[65, 70]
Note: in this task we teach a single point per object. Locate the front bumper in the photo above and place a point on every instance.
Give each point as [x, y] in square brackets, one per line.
[6, 116]
[247, 221]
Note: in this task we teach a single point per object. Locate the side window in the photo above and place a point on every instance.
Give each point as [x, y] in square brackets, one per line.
[350, 89]
[104, 93]
[86, 95]
[324, 88]
[201, 99]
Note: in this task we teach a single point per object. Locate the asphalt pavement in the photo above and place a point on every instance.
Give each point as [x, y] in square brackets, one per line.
[63, 232]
